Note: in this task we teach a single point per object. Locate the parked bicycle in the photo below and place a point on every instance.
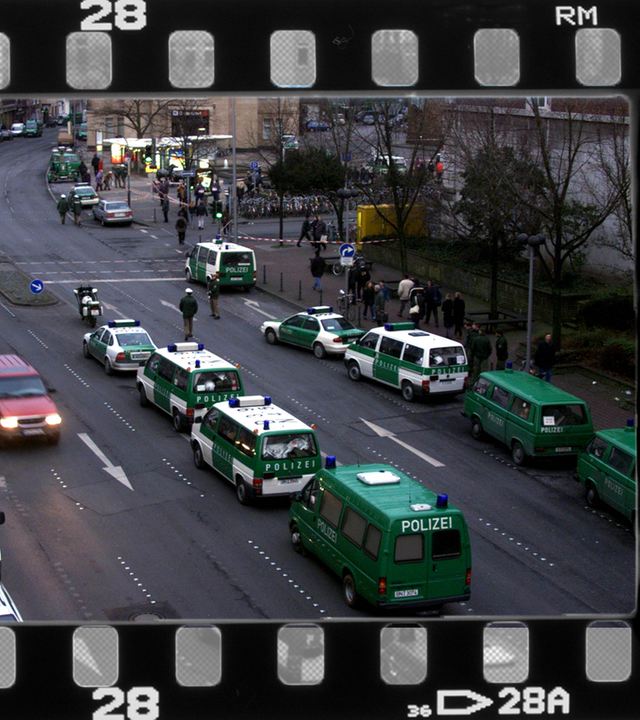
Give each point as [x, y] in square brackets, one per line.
[346, 305]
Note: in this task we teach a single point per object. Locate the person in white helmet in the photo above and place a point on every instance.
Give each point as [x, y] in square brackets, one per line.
[63, 207]
[188, 308]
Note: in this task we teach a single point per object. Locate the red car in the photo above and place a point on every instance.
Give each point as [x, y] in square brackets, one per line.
[26, 410]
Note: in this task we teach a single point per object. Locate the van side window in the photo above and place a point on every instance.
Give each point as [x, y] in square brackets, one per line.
[481, 386]
[369, 341]
[391, 347]
[413, 354]
[409, 548]
[446, 356]
[501, 397]
[521, 408]
[310, 494]
[330, 508]
[152, 363]
[597, 447]
[246, 442]
[213, 256]
[620, 461]
[228, 430]
[372, 542]
[210, 420]
[445, 544]
[563, 415]
[181, 380]
[235, 258]
[353, 526]
[165, 369]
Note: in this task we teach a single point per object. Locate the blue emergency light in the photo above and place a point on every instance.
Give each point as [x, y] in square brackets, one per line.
[197, 363]
[330, 462]
[442, 501]
[234, 402]
[629, 424]
[266, 424]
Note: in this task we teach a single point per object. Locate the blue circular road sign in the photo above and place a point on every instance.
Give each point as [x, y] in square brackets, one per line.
[254, 165]
[347, 250]
[36, 286]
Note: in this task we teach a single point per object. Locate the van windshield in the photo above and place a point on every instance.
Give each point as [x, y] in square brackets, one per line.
[215, 381]
[290, 445]
[235, 258]
[28, 386]
[564, 415]
[446, 356]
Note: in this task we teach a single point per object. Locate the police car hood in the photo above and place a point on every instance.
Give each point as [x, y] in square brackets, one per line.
[31, 405]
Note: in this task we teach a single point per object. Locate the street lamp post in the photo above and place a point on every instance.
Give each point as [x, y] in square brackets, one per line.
[533, 242]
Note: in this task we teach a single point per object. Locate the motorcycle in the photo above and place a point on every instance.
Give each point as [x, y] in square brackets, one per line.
[89, 306]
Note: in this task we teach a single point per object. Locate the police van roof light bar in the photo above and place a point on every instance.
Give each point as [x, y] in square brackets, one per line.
[185, 347]
[317, 310]
[391, 327]
[250, 401]
[123, 323]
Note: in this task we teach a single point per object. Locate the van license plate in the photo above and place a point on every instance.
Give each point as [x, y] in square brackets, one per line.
[33, 431]
[563, 449]
[405, 593]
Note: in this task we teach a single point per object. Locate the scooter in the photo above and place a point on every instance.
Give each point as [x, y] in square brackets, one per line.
[89, 306]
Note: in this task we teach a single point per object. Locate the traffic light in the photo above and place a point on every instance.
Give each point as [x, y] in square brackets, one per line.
[218, 205]
[148, 154]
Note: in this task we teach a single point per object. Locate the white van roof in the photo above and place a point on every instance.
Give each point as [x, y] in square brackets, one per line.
[251, 411]
[421, 338]
[193, 356]
[224, 245]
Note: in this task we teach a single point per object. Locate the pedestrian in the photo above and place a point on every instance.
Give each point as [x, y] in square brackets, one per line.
[77, 210]
[188, 308]
[362, 278]
[433, 300]
[481, 353]
[404, 292]
[545, 357]
[385, 290]
[99, 178]
[108, 179]
[416, 306]
[439, 170]
[165, 208]
[163, 190]
[379, 306]
[447, 314]
[320, 233]
[62, 207]
[181, 227]
[317, 270]
[181, 192]
[124, 173]
[201, 213]
[213, 290]
[95, 163]
[368, 297]
[459, 307]
[471, 330]
[304, 230]
[82, 170]
[502, 350]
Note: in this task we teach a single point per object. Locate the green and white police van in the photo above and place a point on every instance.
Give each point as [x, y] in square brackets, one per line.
[261, 448]
[184, 378]
[415, 361]
[532, 417]
[607, 469]
[392, 541]
[235, 264]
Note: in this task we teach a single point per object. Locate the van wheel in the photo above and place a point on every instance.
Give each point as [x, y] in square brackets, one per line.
[271, 337]
[354, 371]
[144, 400]
[241, 492]
[408, 391]
[477, 433]
[296, 540]
[591, 495]
[178, 422]
[319, 351]
[517, 453]
[198, 458]
[349, 594]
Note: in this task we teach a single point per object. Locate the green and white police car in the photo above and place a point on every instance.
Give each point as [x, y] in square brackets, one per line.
[119, 345]
[319, 329]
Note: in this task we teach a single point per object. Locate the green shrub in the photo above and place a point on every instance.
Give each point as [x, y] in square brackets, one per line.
[612, 309]
[618, 356]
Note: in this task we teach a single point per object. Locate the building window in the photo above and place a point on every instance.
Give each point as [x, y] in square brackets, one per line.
[266, 128]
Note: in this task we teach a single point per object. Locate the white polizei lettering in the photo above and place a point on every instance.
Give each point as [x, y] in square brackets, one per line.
[427, 524]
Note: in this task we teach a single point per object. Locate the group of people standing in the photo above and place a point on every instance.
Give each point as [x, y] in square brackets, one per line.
[314, 229]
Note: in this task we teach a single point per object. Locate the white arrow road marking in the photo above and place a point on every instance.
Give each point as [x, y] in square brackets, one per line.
[114, 470]
[113, 309]
[381, 432]
[170, 305]
[255, 305]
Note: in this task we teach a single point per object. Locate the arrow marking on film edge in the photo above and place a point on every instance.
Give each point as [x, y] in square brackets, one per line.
[114, 470]
[255, 305]
[381, 432]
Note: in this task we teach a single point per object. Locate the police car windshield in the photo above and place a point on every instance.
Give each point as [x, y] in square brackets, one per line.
[336, 324]
[291, 445]
[563, 415]
[28, 386]
[446, 356]
[236, 258]
[215, 381]
[84, 191]
[134, 338]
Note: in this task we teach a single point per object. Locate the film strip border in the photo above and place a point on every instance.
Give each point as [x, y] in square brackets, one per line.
[291, 46]
[575, 668]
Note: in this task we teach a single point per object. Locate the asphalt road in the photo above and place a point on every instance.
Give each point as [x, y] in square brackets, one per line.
[79, 545]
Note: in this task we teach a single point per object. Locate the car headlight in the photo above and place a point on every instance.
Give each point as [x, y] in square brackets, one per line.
[54, 419]
[9, 422]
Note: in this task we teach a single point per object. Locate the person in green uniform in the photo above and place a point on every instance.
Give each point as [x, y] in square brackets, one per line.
[63, 206]
[471, 330]
[77, 210]
[481, 348]
[502, 350]
[213, 289]
[188, 308]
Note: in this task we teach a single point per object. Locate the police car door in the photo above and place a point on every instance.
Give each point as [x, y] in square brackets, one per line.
[97, 346]
[366, 352]
[309, 331]
[386, 366]
[290, 330]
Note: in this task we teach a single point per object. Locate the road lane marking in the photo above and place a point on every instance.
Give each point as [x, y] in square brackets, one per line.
[381, 432]
[114, 470]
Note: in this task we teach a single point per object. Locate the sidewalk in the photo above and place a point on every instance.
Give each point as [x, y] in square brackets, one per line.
[284, 272]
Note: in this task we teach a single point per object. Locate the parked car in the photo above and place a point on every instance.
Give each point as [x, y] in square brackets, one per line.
[113, 211]
[17, 129]
[318, 126]
[5, 134]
